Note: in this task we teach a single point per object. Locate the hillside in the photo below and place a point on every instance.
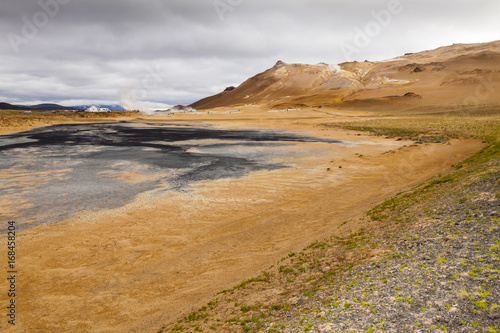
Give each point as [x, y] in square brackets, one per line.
[52, 106]
[45, 106]
[461, 74]
[7, 106]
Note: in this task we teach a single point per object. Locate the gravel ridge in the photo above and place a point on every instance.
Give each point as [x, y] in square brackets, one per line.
[442, 276]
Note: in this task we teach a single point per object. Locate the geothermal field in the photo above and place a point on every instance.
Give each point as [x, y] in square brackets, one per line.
[135, 223]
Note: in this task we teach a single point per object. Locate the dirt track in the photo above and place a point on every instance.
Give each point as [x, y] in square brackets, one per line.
[139, 266]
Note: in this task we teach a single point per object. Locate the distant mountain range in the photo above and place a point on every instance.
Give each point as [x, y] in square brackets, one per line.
[112, 107]
[7, 106]
[50, 106]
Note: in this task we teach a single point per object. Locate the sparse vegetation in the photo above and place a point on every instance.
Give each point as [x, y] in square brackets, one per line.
[399, 217]
[432, 127]
[13, 119]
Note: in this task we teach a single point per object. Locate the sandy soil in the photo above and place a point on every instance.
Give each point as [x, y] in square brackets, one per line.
[54, 120]
[143, 265]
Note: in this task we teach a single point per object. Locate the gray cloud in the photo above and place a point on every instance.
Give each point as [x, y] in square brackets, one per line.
[170, 52]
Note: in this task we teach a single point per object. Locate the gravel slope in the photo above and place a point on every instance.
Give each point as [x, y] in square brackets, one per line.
[445, 275]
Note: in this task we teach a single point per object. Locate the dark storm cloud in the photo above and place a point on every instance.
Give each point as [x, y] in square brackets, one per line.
[177, 51]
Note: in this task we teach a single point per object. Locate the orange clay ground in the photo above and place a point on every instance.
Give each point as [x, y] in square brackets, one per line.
[144, 265]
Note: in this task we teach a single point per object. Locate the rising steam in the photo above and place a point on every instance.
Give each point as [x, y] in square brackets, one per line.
[128, 100]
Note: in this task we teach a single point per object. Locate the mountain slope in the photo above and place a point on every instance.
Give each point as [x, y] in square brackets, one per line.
[49, 106]
[278, 82]
[461, 74]
[7, 106]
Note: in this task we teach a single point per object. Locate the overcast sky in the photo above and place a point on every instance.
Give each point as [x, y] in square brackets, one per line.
[152, 53]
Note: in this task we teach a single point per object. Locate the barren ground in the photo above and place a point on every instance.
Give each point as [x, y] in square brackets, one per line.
[156, 258]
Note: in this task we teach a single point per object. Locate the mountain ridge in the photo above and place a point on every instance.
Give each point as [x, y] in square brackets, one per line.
[52, 106]
[459, 74]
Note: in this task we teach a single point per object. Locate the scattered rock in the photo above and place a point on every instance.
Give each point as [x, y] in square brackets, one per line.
[440, 274]
[418, 69]
[295, 300]
[412, 95]
[328, 327]
[279, 63]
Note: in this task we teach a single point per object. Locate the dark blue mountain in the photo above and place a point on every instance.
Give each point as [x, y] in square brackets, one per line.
[46, 106]
[7, 106]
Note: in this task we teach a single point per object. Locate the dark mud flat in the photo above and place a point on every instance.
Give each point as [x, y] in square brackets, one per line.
[52, 173]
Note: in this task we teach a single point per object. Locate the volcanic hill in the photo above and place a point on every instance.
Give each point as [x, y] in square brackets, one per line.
[456, 75]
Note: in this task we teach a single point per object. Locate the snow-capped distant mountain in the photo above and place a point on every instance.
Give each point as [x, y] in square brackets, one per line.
[113, 107]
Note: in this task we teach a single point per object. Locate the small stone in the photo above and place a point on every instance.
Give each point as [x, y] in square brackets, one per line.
[494, 316]
[328, 327]
[321, 314]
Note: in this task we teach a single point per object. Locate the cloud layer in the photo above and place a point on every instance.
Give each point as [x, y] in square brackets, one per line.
[175, 52]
